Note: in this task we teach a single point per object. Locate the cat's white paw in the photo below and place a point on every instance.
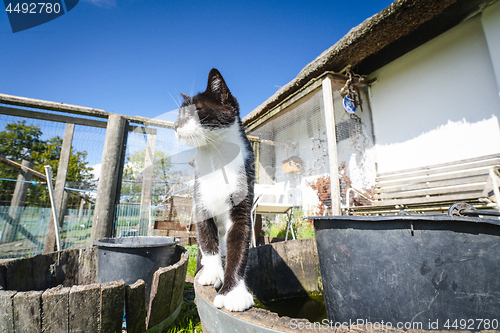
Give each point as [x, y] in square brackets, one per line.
[238, 299]
[219, 301]
[212, 273]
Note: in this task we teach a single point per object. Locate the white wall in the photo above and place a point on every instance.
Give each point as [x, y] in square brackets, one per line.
[439, 102]
[491, 26]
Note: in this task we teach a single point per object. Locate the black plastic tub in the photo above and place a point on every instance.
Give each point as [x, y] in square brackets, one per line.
[413, 271]
[133, 258]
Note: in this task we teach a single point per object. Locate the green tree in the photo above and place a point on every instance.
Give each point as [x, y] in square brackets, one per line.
[133, 172]
[21, 141]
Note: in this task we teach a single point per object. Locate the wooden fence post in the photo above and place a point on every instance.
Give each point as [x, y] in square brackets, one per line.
[332, 145]
[62, 172]
[108, 190]
[18, 199]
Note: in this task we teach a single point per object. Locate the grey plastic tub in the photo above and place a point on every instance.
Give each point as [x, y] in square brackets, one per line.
[133, 258]
[416, 269]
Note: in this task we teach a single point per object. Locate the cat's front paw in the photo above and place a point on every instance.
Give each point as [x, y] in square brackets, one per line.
[212, 273]
[238, 299]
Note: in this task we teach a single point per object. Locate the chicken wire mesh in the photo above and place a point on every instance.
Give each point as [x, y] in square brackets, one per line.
[25, 208]
[292, 150]
[155, 194]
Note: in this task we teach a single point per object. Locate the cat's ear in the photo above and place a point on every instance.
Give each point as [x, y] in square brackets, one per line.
[217, 86]
[186, 97]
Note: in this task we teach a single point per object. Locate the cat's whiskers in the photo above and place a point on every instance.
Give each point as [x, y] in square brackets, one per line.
[176, 102]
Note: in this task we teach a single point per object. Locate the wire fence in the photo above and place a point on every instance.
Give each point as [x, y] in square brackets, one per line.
[156, 174]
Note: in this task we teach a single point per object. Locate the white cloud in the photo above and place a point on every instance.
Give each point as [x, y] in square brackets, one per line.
[103, 3]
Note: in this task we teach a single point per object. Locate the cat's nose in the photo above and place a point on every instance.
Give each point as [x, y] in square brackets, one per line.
[176, 125]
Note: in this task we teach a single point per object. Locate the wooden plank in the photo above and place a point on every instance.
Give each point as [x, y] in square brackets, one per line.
[285, 287]
[18, 166]
[61, 107]
[433, 199]
[433, 171]
[55, 309]
[135, 307]
[7, 310]
[28, 311]
[455, 175]
[429, 185]
[51, 117]
[84, 308]
[480, 158]
[35, 173]
[3, 274]
[299, 254]
[19, 275]
[180, 277]
[87, 265]
[46, 105]
[329, 111]
[45, 270]
[435, 191]
[62, 172]
[161, 295]
[112, 305]
[170, 225]
[17, 203]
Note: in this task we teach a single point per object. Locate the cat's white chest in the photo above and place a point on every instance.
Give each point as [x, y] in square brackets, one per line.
[216, 187]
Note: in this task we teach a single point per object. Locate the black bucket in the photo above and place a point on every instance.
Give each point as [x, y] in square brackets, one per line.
[133, 258]
[418, 272]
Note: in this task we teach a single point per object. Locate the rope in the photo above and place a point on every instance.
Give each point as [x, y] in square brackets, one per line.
[21, 181]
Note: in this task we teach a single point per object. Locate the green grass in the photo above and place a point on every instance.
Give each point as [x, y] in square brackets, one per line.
[277, 228]
[193, 251]
[188, 320]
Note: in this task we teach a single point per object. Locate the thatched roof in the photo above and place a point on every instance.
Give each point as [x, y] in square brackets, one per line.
[380, 39]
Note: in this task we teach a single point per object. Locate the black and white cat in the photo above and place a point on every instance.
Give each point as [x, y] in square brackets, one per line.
[223, 192]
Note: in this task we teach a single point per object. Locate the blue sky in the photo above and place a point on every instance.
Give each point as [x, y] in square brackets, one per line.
[131, 57]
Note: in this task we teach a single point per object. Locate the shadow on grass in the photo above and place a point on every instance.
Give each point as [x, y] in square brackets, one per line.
[188, 319]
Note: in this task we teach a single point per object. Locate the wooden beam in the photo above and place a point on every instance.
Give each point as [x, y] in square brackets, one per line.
[469, 160]
[432, 199]
[75, 109]
[37, 175]
[432, 170]
[464, 174]
[62, 172]
[46, 105]
[110, 178]
[18, 200]
[430, 192]
[18, 166]
[51, 117]
[75, 120]
[427, 185]
[332, 144]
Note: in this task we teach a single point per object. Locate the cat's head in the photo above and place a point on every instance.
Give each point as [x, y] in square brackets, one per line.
[205, 114]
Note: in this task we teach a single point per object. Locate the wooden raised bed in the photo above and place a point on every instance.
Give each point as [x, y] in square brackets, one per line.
[58, 292]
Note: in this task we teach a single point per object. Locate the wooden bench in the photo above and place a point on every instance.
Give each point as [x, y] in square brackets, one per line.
[431, 188]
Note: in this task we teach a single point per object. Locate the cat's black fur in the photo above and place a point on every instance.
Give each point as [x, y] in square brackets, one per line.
[215, 115]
